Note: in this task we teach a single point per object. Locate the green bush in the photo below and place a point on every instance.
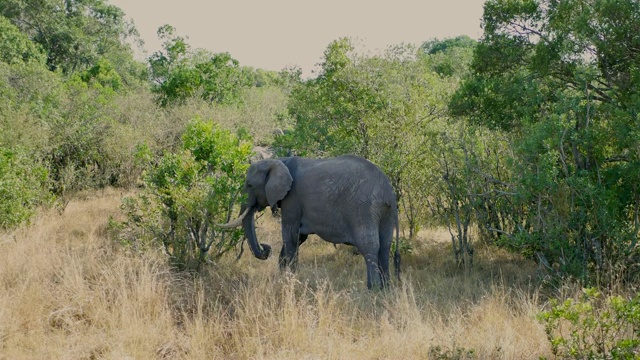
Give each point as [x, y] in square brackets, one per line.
[187, 193]
[77, 153]
[23, 186]
[594, 327]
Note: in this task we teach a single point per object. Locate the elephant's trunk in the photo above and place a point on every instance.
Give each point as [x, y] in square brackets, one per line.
[261, 251]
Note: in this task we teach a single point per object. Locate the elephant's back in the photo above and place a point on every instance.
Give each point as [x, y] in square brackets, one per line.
[339, 194]
[351, 178]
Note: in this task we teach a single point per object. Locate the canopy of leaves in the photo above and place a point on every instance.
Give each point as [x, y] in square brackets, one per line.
[390, 109]
[15, 46]
[355, 102]
[563, 78]
[449, 57]
[75, 35]
[435, 46]
[72, 93]
[553, 49]
[180, 73]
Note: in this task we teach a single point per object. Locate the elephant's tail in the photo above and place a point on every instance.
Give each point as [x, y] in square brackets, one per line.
[396, 257]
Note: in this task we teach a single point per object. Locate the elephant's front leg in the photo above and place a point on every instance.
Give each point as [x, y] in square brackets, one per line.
[291, 241]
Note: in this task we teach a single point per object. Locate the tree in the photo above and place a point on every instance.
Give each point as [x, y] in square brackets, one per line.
[77, 34]
[15, 47]
[391, 109]
[180, 73]
[175, 51]
[562, 78]
[434, 46]
[449, 57]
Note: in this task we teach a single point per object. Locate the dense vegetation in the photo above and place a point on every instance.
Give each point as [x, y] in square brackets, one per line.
[560, 79]
[529, 136]
[527, 140]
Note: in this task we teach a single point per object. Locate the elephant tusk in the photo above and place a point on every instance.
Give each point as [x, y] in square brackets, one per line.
[235, 223]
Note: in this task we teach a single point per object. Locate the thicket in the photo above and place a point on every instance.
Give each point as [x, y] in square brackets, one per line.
[22, 187]
[561, 79]
[186, 194]
[529, 136]
[527, 139]
[392, 109]
[76, 108]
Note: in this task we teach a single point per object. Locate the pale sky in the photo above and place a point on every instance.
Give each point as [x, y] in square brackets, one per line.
[276, 34]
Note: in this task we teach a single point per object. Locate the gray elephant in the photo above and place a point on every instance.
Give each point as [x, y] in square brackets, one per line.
[344, 200]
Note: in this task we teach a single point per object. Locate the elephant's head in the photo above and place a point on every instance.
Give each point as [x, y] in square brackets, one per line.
[267, 182]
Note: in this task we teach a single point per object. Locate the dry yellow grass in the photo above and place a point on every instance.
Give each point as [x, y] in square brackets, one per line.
[68, 292]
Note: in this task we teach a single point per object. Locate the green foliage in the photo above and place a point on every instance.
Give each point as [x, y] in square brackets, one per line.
[404, 244]
[68, 124]
[77, 154]
[561, 79]
[435, 46]
[188, 192]
[175, 51]
[74, 34]
[15, 47]
[103, 74]
[354, 101]
[29, 96]
[391, 109]
[466, 184]
[262, 78]
[181, 74]
[86, 120]
[23, 186]
[449, 57]
[501, 101]
[222, 79]
[594, 326]
[337, 57]
[64, 116]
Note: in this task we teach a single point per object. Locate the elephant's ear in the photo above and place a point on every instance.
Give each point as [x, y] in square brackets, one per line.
[279, 182]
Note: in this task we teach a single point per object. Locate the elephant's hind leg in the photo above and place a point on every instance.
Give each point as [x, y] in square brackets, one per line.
[369, 246]
[386, 239]
[383, 263]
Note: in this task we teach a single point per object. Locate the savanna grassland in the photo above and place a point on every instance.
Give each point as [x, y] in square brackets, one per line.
[515, 160]
[70, 292]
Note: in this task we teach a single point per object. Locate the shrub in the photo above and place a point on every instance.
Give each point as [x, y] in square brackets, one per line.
[594, 327]
[187, 193]
[22, 187]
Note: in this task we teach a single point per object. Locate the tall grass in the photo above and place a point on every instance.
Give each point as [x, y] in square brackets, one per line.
[68, 292]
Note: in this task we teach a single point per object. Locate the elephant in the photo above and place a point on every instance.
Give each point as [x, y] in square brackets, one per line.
[343, 200]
